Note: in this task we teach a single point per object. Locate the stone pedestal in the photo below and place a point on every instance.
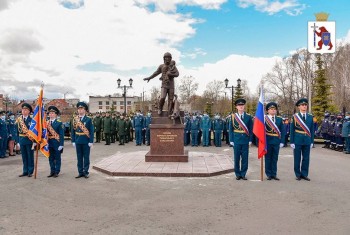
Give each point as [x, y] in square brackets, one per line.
[167, 141]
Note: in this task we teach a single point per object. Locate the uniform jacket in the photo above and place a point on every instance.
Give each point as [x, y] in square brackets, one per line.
[296, 137]
[21, 139]
[58, 128]
[272, 135]
[237, 134]
[78, 135]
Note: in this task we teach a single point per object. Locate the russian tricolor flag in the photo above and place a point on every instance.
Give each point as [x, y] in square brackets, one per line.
[259, 126]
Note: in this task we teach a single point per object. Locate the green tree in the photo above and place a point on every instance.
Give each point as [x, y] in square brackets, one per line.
[238, 92]
[321, 100]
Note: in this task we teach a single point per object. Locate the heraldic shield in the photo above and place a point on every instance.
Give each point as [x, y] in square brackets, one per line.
[326, 38]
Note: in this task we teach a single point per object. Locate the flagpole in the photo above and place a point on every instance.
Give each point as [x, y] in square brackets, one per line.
[36, 161]
[262, 168]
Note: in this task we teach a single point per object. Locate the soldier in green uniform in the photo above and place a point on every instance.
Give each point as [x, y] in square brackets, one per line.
[128, 129]
[103, 116]
[107, 125]
[98, 127]
[113, 128]
[121, 128]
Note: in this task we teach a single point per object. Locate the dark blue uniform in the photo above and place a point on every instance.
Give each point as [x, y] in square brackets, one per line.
[187, 131]
[205, 126]
[325, 125]
[3, 137]
[194, 124]
[26, 147]
[148, 121]
[302, 143]
[55, 154]
[218, 127]
[138, 125]
[241, 143]
[339, 141]
[274, 140]
[82, 144]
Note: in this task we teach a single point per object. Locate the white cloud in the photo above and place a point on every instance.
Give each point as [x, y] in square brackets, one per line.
[44, 41]
[232, 67]
[171, 5]
[194, 54]
[291, 7]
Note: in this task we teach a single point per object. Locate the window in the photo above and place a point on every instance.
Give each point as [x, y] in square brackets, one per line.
[114, 102]
[99, 107]
[107, 107]
[100, 103]
[128, 102]
[121, 107]
[121, 102]
[107, 102]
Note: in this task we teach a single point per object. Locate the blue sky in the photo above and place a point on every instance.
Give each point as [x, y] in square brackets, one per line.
[246, 31]
[84, 46]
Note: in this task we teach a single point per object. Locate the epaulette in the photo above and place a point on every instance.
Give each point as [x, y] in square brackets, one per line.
[248, 114]
[58, 120]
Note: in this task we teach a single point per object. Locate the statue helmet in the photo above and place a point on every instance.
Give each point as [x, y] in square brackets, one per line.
[167, 54]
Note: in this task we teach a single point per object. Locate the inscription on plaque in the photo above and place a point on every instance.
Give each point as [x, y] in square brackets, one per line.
[167, 137]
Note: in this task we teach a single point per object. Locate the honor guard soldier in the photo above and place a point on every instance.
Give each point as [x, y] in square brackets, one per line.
[205, 126]
[113, 128]
[194, 130]
[241, 133]
[12, 127]
[121, 128]
[148, 121]
[187, 131]
[218, 127]
[26, 142]
[138, 125]
[56, 141]
[346, 133]
[82, 139]
[275, 140]
[107, 124]
[3, 134]
[98, 127]
[302, 139]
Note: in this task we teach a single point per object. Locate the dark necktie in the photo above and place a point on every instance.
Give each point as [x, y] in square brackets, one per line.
[273, 118]
[51, 122]
[303, 117]
[242, 116]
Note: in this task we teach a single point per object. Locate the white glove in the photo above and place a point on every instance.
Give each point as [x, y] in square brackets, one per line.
[60, 148]
[34, 144]
[90, 145]
[311, 146]
[281, 145]
[17, 145]
[231, 143]
[250, 143]
[73, 144]
[292, 146]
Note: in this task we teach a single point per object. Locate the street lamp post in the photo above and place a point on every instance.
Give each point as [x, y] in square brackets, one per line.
[232, 90]
[125, 87]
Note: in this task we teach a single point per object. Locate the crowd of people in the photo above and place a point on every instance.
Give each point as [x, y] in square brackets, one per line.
[235, 130]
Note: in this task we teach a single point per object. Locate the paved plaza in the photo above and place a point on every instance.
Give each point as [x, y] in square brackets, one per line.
[106, 204]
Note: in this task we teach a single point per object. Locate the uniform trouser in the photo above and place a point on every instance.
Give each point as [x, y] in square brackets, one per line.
[271, 158]
[199, 138]
[2, 150]
[227, 138]
[83, 156]
[108, 138]
[326, 139]
[205, 137]
[164, 93]
[286, 139]
[143, 136]
[127, 137]
[98, 136]
[121, 139]
[339, 141]
[55, 160]
[301, 160]
[27, 159]
[218, 138]
[113, 136]
[138, 135]
[332, 139]
[347, 144]
[240, 152]
[3, 146]
[194, 137]
[131, 135]
[186, 138]
[148, 135]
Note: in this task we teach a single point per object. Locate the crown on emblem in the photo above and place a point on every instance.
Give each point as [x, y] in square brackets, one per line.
[321, 16]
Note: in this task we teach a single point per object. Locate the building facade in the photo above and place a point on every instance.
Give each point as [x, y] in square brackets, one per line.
[113, 103]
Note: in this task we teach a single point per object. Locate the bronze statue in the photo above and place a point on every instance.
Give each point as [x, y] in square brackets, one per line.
[169, 72]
